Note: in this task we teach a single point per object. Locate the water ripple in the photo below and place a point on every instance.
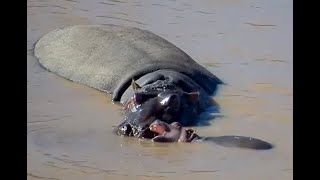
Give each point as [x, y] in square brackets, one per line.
[110, 17]
[260, 25]
[204, 12]
[106, 3]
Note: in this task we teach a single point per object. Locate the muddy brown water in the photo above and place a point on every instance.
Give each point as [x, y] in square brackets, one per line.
[248, 44]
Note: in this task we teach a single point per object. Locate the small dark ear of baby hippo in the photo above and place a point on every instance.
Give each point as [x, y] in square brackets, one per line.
[176, 124]
[191, 134]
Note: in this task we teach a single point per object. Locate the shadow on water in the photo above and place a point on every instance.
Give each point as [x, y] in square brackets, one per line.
[208, 115]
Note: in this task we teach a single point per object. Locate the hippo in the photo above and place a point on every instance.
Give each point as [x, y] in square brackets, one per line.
[152, 78]
[166, 83]
[175, 132]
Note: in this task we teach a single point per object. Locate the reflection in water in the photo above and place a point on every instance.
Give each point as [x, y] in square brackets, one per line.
[76, 140]
[176, 9]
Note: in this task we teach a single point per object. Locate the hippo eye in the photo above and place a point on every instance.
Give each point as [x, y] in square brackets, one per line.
[142, 97]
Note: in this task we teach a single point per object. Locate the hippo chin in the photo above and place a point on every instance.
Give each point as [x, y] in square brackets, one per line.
[167, 84]
[175, 132]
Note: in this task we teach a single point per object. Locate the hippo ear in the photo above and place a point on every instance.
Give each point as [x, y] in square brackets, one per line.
[176, 124]
[135, 86]
[193, 97]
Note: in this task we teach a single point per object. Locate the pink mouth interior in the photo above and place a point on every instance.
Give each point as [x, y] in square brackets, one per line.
[157, 129]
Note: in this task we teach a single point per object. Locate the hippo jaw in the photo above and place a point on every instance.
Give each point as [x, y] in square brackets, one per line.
[145, 106]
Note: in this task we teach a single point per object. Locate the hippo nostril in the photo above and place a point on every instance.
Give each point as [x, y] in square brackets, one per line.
[125, 130]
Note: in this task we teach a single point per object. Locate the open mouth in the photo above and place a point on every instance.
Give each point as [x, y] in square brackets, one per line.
[147, 132]
[158, 129]
[128, 129]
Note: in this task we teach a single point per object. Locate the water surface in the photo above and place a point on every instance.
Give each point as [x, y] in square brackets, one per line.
[248, 44]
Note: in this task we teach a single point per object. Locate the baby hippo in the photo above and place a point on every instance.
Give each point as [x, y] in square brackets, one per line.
[174, 132]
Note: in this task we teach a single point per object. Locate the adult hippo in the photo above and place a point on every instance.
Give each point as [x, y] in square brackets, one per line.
[167, 84]
[175, 132]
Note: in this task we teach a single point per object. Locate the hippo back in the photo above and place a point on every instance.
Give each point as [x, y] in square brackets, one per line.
[108, 57]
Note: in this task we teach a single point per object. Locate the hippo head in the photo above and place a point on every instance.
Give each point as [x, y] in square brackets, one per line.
[165, 104]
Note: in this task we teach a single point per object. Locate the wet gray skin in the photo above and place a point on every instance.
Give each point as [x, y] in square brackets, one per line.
[175, 132]
[172, 86]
